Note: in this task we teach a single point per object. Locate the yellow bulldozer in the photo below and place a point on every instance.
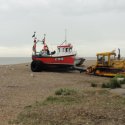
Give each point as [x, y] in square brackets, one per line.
[108, 64]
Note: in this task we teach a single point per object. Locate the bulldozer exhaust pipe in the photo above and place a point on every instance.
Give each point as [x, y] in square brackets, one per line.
[119, 56]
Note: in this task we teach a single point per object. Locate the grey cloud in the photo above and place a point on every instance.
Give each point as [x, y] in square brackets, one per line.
[65, 7]
[90, 21]
[80, 7]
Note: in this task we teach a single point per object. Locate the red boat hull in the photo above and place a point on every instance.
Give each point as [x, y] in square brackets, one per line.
[56, 60]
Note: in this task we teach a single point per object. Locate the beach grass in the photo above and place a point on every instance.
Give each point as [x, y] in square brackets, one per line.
[91, 107]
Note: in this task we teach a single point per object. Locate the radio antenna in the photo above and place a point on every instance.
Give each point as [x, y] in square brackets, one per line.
[65, 41]
[65, 35]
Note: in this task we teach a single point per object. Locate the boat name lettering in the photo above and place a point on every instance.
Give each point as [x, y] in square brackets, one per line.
[61, 58]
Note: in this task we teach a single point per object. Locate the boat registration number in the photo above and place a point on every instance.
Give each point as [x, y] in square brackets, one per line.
[61, 58]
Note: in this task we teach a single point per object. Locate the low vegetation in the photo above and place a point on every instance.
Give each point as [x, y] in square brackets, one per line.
[112, 84]
[93, 85]
[115, 82]
[65, 91]
[75, 107]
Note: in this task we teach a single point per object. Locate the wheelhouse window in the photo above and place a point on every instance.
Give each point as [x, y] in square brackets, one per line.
[70, 49]
[66, 49]
[63, 50]
[59, 49]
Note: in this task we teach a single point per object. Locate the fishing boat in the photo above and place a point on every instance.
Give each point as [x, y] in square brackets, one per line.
[64, 57]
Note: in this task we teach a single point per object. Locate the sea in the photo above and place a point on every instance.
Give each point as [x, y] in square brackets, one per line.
[19, 60]
[14, 60]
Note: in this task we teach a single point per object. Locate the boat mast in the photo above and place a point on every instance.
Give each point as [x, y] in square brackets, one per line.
[34, 45]
[65, 41]
[44, 42]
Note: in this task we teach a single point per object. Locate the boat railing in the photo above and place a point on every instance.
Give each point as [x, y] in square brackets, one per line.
[66, 53]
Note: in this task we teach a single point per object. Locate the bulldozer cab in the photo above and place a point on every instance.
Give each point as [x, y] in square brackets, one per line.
[105, 59]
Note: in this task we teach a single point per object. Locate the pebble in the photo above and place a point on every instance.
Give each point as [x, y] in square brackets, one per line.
[12, 69]
[32, 75]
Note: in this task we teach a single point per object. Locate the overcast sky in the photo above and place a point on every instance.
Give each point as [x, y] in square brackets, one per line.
[92, 25]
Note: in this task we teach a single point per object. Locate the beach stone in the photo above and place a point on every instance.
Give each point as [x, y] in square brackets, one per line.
[123, 86]
[5, 72]
[2, 76]
[120, 91]
[12, 69]
[32, 75]
[7, 66]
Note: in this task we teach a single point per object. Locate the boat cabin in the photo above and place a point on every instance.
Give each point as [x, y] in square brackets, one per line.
[64, 48]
